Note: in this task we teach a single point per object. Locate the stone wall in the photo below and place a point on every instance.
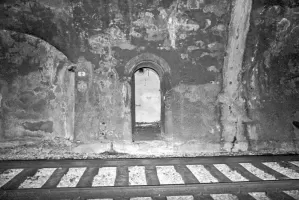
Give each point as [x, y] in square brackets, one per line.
[271, 68]
[99, 38]
[65, 72]
[37, 94]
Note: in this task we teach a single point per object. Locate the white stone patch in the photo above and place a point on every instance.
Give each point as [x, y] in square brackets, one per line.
[137, 175]
[224, 197]
[7, 175]
[202, 175]
[213, 69]
[105, 177]
[259, 195]
[72, 177]
[283, 170]
[168, 175]
[39, 179]
[293, 193]
[229, 173]
[257, 172]
[180, 198]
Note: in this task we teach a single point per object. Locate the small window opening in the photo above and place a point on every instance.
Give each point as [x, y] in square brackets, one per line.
[147, 105]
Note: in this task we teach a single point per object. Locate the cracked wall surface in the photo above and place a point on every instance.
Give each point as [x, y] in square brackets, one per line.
[35, 88]
[270, 75]
[63, 69]
[233, 113]
[99, 38]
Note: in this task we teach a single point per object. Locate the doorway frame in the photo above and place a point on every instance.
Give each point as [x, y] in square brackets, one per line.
[161, 67]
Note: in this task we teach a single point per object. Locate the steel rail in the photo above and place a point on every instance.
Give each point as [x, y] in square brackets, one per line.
[143, 161]
[149, 191]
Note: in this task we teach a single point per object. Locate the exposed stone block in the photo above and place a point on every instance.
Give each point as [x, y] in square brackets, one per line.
[46, 126]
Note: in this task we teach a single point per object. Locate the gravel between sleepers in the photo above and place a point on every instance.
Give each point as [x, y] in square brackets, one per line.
[285, 171]
[202, 175]
[168, 175]
[137, 175]
[231, 174]
[257, 172]
[259, 195]
[105, 177]
[72, 177]
[7, 175]
[224, 197]
[37, 181]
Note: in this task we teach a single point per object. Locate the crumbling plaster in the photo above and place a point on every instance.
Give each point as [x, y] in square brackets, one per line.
[270, 75]
[208, 100]
[189, 35]
[35, 87]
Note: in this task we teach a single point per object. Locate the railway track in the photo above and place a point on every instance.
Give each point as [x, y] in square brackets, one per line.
[241, 177]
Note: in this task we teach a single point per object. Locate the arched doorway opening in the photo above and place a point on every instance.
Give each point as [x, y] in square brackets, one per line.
[147, 103]
[162, 69]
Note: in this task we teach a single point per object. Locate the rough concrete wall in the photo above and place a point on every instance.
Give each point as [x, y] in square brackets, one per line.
[100, 105]
[196, 113]
[194, 97]
[101, 36]
[36, 88]
[271, 68]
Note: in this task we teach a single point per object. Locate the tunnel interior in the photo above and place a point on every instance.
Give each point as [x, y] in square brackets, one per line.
[148, 78]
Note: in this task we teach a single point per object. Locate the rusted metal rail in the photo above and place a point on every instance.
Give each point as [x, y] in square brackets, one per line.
[122, 189]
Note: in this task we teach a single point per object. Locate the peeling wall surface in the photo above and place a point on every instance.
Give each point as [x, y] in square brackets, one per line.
[271, 75]
[35, 88]
[63, 70]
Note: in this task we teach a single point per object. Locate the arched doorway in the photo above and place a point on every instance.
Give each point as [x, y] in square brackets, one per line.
[159, 66]
[148, 100]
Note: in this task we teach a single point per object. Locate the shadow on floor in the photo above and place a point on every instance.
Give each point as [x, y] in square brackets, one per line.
[147, 132]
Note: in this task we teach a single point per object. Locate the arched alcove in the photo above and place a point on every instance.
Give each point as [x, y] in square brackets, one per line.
[161, 67]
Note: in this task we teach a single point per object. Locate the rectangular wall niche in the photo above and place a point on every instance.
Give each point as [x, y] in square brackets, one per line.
[147, 105]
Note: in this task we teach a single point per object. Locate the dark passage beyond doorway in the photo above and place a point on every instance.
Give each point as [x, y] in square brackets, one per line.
[147, 105]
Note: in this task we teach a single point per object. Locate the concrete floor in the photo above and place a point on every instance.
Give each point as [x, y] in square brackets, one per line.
[147, 133]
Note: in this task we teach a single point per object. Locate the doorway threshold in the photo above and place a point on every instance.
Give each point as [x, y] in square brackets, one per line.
[147, 131]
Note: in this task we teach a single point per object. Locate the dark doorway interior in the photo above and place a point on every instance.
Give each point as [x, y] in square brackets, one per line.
[147, 105]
